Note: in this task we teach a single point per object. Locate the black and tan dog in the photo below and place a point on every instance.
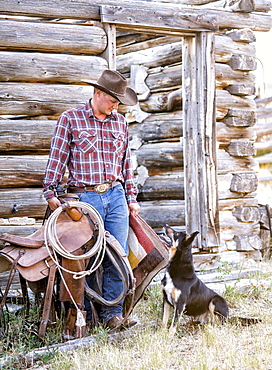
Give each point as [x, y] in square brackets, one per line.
[183, 290]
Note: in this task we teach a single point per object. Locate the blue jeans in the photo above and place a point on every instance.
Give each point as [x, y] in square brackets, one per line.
[113, 208]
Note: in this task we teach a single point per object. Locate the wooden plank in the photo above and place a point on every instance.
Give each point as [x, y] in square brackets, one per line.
[158, 126]
[52, 99]
[22, 135]
[54, 68]
[225, 100]
[231, 228]
[168, 20]
[227, 189]
[41, 99]
[169, 54]
[227, 163]
[206, 140]
[167, 186]
[163, 155]
[52, 37]
[192, 211]
[231, 204]
[90, 9]
[110, 52]
[240, 118]
[241, 148]
[159, 213]
[150, 42]
[158, 56]
[20, 230]
[163, 101]
[22, 202]
[22, 171]
[225, 134]
[170, 77]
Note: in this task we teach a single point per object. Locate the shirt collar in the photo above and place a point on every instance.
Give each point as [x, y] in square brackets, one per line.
[89, 111]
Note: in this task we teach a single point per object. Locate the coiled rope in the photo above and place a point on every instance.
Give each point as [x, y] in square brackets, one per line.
[55, 247]
[98, 250]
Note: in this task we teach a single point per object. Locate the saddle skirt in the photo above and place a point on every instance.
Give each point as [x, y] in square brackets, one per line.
[33, 256]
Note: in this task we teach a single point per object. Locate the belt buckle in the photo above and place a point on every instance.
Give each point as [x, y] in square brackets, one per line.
[102, 188]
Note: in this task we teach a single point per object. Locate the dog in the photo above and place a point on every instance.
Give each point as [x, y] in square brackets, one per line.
[183, 290]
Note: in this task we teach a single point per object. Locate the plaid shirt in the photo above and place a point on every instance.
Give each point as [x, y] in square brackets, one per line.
[94, 151]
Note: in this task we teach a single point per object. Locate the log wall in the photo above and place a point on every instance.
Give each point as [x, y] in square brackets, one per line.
[57, 54]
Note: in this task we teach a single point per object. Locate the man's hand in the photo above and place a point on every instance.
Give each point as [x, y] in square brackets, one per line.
[54, 203]
[134, 208]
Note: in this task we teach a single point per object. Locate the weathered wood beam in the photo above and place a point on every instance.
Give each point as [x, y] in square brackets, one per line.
[52, 37]
[167, 20]
[41, 99]
[225, 134]
[264, 129]
[243, 63]
[23, 135]
[158, 56]
[54, 68]
[170, 77]
[22, 171]
[233, 185]
[90, 9]
[243, 35]
[163, 102]
[231, 228]
[227, 163]
[22, 202]
[240, 118]
[169, 54]
[150, 42]
[168, 186]
[241, 148]
[236, 5]
[225, 100]
[160, 155]
[263, 145]
[110, 51]
[158, 126]
[159, 213]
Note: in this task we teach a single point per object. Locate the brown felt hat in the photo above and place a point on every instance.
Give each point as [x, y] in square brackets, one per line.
[114, 84]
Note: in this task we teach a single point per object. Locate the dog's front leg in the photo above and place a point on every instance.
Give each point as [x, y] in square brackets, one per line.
[177, 314]
[166, 313]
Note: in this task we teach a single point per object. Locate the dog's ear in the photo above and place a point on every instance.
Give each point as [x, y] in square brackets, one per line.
[190, 238]
[169, 231]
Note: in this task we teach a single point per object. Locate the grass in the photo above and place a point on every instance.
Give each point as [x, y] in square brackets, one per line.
[212, 347]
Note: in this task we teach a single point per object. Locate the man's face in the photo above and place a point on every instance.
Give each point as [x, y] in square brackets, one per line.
[106, 103]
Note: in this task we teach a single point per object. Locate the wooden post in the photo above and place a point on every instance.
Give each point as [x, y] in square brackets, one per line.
[110, 52]
[200, 180]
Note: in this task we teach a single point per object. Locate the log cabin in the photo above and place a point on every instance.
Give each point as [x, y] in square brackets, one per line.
[192, 65]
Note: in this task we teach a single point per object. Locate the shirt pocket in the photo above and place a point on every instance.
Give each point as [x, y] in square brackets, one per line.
[87, 141]
[118, 142]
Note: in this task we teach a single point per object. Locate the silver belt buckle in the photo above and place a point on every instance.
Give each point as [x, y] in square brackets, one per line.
[102, 188]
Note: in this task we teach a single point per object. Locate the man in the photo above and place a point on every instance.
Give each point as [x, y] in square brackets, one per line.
[92, 141]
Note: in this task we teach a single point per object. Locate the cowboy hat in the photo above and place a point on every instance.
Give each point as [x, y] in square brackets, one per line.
[114, 84]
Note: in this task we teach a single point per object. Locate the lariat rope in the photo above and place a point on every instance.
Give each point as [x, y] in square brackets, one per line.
[55, 247]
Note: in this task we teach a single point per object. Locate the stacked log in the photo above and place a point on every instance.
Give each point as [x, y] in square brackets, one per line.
[65, 52]
[235, 116]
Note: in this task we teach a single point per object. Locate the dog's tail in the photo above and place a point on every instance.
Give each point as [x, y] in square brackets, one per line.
[221, 308]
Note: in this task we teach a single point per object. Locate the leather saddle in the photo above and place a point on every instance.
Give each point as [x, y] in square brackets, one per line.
[32, 256]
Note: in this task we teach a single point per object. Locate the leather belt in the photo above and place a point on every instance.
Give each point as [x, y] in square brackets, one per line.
[99, 189]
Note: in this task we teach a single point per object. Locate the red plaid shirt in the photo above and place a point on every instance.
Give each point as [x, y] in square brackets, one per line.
[94, 152]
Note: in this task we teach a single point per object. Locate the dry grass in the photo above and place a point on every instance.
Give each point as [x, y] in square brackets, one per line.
[230, 346]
